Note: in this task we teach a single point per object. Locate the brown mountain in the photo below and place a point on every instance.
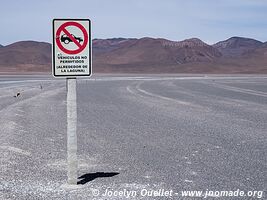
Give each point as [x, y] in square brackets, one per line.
[235, 55]
[152, 55]
[237, 46]
[148, 55]
[242, 55]
[25, 56]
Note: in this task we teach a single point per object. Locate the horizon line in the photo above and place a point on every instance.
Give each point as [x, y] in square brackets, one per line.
[29, 40]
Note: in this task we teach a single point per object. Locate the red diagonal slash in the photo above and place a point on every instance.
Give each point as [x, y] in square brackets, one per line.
[80, 47]
[71, 37]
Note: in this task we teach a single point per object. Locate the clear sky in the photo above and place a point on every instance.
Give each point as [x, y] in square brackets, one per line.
[209, 20]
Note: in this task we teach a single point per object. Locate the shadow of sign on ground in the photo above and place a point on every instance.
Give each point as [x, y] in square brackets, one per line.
[92, 176]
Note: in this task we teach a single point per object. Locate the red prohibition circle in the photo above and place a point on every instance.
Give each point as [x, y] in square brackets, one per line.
[63, 28]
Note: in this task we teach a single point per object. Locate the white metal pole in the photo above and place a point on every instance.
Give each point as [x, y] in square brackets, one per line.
[71, 131]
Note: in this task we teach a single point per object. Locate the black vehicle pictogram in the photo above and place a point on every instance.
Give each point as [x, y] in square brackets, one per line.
[64, 38]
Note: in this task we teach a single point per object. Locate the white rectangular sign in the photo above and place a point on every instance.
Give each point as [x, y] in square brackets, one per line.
[72, 47]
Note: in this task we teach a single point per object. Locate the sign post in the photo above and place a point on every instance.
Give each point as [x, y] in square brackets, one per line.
[71, 58]
[71, 131]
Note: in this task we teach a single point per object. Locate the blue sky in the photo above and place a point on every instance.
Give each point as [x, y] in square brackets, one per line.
[209, 20]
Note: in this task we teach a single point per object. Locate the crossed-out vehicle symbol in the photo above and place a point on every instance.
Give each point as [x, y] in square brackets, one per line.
[64, 38]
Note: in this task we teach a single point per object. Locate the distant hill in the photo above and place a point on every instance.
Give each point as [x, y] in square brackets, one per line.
[148, 55]
[235, 55]
[152, 55]
[237, 46]
[156, 51]
[26, 56]
[243, 55]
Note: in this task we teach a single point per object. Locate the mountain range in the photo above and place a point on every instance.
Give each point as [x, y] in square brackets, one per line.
[147, 55]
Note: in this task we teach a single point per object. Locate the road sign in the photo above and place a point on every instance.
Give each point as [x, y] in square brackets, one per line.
[72, 47]
[72, 50]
